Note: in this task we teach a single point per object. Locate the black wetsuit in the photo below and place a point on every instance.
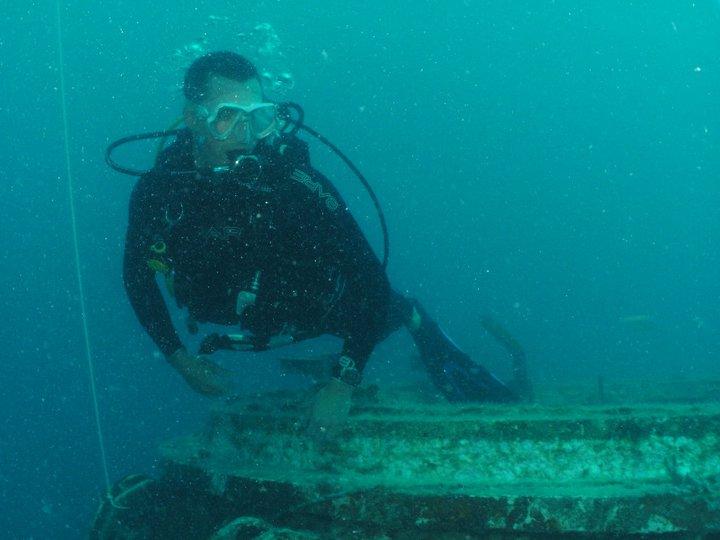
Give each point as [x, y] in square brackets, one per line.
[287, 231]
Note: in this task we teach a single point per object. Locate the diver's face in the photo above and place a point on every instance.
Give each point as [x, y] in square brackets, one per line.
[211, 150]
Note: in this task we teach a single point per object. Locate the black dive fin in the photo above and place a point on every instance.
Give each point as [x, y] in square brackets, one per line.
[454, 373]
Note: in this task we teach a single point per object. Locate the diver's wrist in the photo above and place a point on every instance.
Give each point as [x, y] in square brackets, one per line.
[348, 372]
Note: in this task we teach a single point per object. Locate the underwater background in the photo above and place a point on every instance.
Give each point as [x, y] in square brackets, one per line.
[553, 163]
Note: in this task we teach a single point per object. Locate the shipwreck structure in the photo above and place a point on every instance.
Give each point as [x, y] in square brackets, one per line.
[404, 469]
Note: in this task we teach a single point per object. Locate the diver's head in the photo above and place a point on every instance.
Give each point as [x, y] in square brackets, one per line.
[225, 108]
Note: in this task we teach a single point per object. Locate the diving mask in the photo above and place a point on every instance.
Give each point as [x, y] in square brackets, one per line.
[252, 121]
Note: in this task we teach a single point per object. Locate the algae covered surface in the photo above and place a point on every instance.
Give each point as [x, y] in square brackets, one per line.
[404, 469]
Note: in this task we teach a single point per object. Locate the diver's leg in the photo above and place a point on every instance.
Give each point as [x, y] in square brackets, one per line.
[452, 371]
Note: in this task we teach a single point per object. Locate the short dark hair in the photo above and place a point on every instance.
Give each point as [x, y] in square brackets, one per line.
[224, 63]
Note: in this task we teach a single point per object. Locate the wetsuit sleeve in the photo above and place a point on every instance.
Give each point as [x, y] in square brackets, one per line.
[140, 283]
[367, 295]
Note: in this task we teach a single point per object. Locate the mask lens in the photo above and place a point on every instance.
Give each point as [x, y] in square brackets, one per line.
[262, 120]
[225, 120]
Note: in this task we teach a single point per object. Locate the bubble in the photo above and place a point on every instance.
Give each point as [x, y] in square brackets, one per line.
[280, 82]
[285, 80]
[267, 40]
[191, 51]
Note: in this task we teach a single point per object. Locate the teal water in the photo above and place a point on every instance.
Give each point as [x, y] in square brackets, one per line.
[552, 163]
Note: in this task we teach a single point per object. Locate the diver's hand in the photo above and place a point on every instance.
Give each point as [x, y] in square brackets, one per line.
[331, 408]
[201, 374]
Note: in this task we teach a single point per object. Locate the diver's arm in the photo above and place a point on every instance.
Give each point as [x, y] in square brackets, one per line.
[367, 287]
[202, 375]
[142, 288]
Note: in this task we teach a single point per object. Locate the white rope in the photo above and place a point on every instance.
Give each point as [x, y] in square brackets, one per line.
[81, 289]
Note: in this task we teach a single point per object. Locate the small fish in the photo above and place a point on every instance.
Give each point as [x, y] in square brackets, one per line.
[639, 322]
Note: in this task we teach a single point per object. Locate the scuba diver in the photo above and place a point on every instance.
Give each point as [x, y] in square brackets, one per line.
[249, 235]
